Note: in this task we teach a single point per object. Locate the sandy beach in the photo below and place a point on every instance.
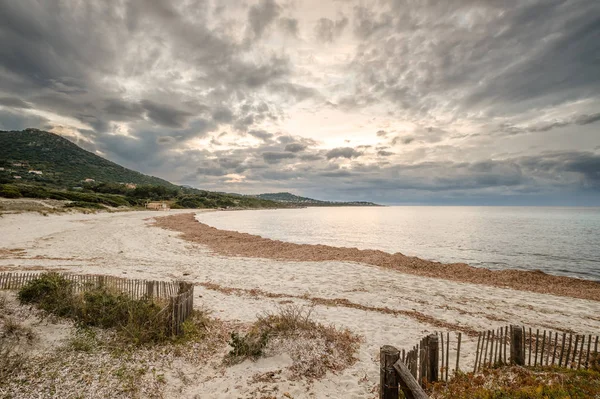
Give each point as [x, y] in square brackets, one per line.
[238, 279]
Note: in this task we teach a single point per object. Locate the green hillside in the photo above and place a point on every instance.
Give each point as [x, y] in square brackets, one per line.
[289, 198]
[62, 162]
[38, 164]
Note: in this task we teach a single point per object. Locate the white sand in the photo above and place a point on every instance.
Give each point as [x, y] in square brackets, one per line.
[123, 244]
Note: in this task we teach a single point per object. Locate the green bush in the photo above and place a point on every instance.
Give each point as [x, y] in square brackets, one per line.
[138, 321]
[8, 191]
[251, 345]
[192, 202]
[51, 292]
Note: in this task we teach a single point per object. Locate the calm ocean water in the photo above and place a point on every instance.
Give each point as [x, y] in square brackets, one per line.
[564, 241]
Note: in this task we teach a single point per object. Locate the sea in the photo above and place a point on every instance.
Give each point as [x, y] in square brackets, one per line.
[557, 240]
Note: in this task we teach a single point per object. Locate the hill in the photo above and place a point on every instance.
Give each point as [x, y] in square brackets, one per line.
[39, 164]
[62, 162]
[289, 198]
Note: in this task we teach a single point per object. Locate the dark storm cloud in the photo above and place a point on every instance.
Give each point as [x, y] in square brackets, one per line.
[366, 22]
[222, 115]
[311, 157]
[403, 140]
[327, 30]
[276, 157]
[261, 134]
[10, 120]
[579, 120]
[343, 152]
[297, 91]
[550, 72]
[587, 119]
[489, 56]
[45, 51]
[295, 147]
[259, 74]
[13, 102]
[121, 110]
[165, 115]
[585, 164]
[289, 25]
[261, 15]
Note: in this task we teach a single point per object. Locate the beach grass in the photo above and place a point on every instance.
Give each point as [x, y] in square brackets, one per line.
[522, 383]
[315, 348]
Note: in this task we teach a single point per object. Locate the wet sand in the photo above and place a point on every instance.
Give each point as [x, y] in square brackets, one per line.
[232, 243]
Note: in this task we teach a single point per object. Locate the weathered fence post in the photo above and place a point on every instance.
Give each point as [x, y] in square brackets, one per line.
[150, 289]
[408, 383]
[433, 358]
[517, 355]
[388, 381]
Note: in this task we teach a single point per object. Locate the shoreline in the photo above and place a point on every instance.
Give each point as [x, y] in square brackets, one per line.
[380, 304]
[233, 243]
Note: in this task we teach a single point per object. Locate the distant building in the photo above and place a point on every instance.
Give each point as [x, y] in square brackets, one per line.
[17, 177]
[130, 185]
[89, 180]
[1, 169]
[36, 172]
[158, 206]
[17, 165]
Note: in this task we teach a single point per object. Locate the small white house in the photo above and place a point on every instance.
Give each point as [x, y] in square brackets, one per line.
[89, 180]
[17, 177]
[1, 169]
[158, 206]
[36, 172]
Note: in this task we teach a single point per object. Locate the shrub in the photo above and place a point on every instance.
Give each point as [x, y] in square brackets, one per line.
[14, 329]
[520, 382]
[51, 292]
[10, 361]
[314, 348]
[138, 321]
[251, 345]
[8, 191]
[288, 319]
[84, 340]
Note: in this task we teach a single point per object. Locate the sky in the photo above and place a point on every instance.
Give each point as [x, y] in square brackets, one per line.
[399, 102]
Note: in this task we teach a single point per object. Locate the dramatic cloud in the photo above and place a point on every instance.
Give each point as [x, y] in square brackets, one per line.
[387, 100]
[261, 134]
[327, 30]
[261, 15]
[343, 152]
[276, 157]
[295, 147]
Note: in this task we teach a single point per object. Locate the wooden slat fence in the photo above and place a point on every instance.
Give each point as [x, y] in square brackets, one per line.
[539, 348]
[135, 288]
[178, 295]
[429, 360]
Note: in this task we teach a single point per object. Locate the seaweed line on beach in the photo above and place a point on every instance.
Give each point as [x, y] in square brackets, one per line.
[255, 292]
[232, 243]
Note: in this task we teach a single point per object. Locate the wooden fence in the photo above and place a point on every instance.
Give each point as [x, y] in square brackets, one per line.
[539, 348]
[429, 360]
[178, 295]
